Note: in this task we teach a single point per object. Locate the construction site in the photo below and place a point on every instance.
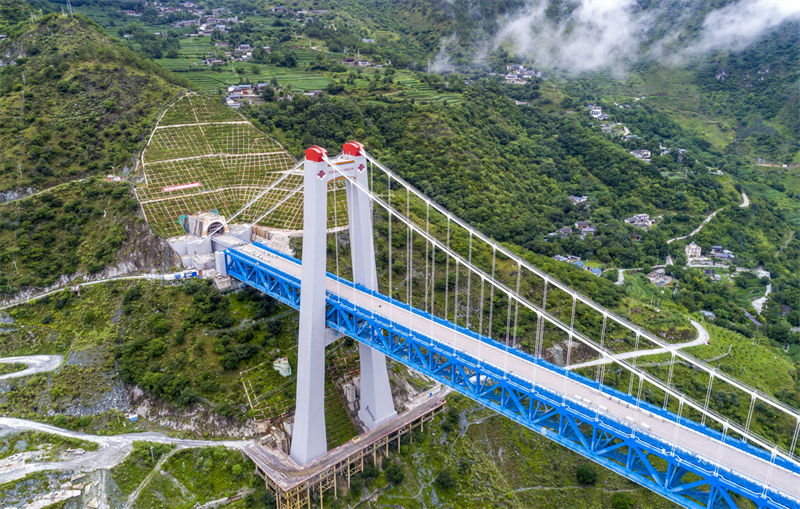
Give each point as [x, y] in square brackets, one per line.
[212, 182]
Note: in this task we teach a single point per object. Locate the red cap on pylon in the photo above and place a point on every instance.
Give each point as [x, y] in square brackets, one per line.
[353, 148]
[315, 153]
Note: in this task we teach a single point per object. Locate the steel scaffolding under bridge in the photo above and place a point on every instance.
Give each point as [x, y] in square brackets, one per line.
[682, 460]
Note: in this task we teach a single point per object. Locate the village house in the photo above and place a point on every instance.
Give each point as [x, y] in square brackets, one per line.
[577, 200]
[659, 278]
[596, 112]
[642, 154]
[722, 254]
[693, 251]
[565, 232]
[586, 228]
[640, 221]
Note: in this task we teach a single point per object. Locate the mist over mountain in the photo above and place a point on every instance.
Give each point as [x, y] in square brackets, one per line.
[574, 37]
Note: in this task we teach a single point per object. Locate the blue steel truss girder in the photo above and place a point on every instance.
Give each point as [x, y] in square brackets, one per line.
[647, 460]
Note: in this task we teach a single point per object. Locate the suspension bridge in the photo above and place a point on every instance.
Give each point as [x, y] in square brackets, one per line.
[455, 305]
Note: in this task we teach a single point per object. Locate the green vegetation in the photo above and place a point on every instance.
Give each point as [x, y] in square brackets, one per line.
[197, 476]
[587, 474]
[51, 446]
[144, 456]
[72, 102]
[158, 335]
[484, 158]
[503, 157]
[80, 228]
[11, 367]
[166, 347]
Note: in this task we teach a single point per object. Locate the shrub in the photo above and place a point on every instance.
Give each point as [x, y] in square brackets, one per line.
[586, 474]
[622, 500]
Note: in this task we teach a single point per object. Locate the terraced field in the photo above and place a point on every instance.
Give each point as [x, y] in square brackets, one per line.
[422, 92]
[204, 156]
[207, 79]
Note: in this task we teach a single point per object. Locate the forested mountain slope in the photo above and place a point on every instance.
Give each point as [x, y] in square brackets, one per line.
[72, 101]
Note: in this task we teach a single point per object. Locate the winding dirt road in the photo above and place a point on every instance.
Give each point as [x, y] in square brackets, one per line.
[112, 449]
[701, 339]
[36, 364]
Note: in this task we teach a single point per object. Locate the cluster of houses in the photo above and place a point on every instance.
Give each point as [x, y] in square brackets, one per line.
[666, 150]
[640, 221]
[518, 74]
[206, 25]
[694, 254]
[239, 53]
[302, 14]
[358, 62]
[217, 20]
[583, 228]
[244, 94]
[576, 261]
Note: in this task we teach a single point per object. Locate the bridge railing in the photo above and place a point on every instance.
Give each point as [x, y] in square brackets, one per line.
[495, 267]
[553, 395]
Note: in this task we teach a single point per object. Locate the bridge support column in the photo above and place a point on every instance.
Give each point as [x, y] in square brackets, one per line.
[376, 404]
[308, 436]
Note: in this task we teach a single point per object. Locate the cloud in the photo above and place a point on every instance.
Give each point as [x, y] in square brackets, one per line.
[597, 34]
[442, 62]
[742, 23]
[610, 35]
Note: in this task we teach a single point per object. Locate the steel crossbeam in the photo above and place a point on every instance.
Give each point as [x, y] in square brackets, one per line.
[651, 461]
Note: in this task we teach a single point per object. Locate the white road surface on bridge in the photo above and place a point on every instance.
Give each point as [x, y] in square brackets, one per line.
[753, 467]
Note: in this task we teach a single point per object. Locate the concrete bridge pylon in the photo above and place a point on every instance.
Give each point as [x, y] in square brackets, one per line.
[376, 405]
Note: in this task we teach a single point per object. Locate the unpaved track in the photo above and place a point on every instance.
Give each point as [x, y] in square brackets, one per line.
[32, 298]
[112, 450]
[701, 339]
[36, 364]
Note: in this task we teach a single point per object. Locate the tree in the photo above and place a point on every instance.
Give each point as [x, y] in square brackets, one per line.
[586, 474]
[394, 474]
[445, 480]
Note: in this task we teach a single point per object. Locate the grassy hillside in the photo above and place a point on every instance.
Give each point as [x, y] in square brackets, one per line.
[80, 228]
[72, 102]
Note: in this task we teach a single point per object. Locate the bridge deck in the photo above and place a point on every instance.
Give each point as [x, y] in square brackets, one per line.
[715, 451]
